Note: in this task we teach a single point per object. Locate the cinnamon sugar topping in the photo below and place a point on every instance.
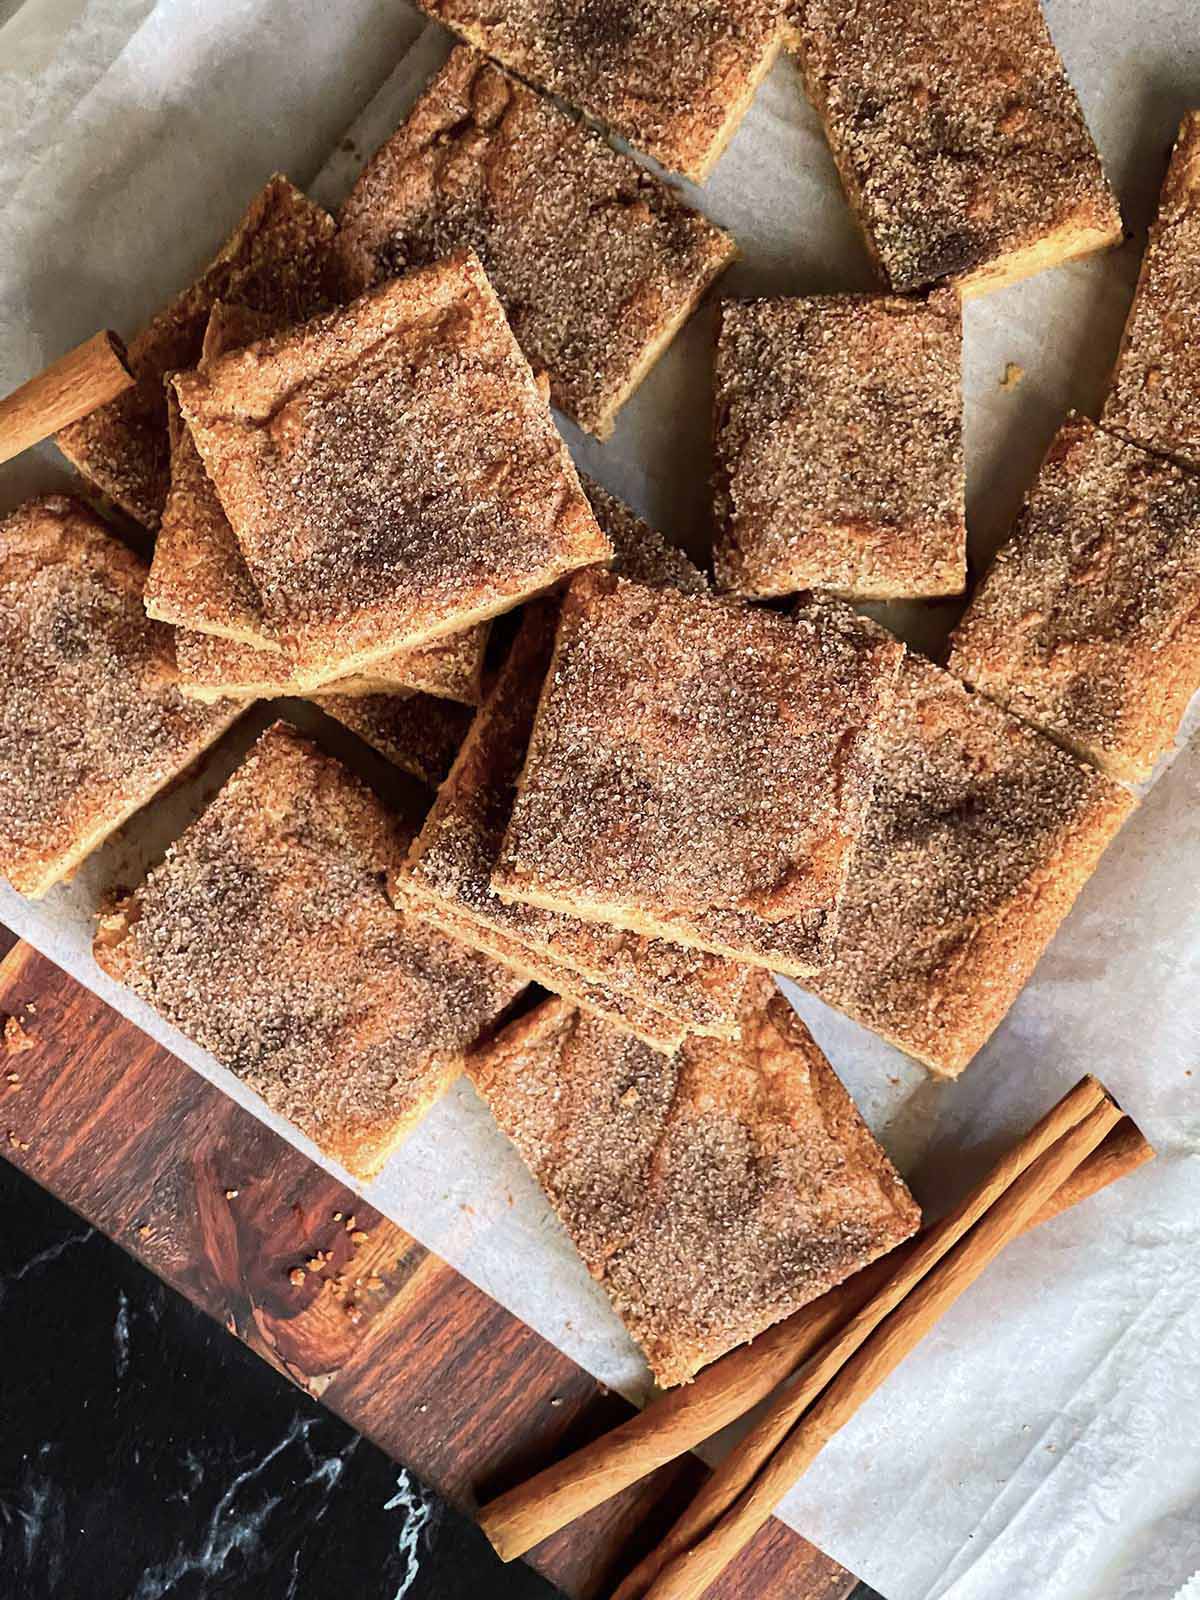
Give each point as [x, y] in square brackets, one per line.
[1088, 622]
[674, 77]
[391, 471]
[266, 936]
[980, 835]
[711, 1194]
[595, 261]
[699, 771]
[416, 732]
[452, 861]
[1155, 396]
[91, 722]
[199, 580]
[839, 446]
[957, 135]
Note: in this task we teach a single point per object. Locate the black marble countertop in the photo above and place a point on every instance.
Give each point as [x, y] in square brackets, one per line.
[145, 1454]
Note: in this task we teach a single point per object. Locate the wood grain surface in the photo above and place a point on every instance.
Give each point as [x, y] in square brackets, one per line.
[383, 1332]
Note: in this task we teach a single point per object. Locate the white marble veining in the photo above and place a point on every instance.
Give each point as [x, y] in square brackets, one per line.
[121, 1336]
[44, 1258]
[420, 1512]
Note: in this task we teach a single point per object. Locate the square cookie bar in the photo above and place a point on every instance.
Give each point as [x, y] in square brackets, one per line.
[451, 863]
[278, 259]
[1087, 624]
[656, 989]
[391, 471]
[199, 581]
[838, 440]
[711, 1194]
[266, 936]
[981, 834]
[597, 262]
[698, 771]
[959, 139]
[92, 724]
[1155, 395]
[674, 77]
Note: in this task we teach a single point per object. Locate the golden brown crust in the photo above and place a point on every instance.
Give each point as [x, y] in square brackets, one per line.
[839, 447]
[416, 732]
[92, 724]
[391, 471]
[267, 937]
[452, 861]
[1155, 396]
[279, 259]
[711, 1194]
[1088, 622]
[699, 771]
[959, 139]
[596, 262]
[211, 668]
[674, 77]
[654, 988]
[199, 580]
[980, 837]
[653, 1028]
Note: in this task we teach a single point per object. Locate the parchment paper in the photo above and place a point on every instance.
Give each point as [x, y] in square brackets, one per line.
[1044, 1443]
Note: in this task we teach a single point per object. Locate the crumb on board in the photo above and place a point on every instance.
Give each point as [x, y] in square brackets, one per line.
[358, 1237]
[16, 1040]
[1013, 374]
[297, 1276]
[232, 1194]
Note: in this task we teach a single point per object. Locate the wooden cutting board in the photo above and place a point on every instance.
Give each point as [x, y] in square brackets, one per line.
[384, 1333]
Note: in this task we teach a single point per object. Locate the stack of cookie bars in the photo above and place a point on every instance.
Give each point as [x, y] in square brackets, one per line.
[654, 788]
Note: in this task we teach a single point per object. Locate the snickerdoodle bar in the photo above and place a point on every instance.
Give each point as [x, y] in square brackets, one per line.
[266, 935]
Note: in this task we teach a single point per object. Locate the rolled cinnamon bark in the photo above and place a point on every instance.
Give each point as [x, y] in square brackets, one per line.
[851, 1368]
[683, 1418]
[71, 387]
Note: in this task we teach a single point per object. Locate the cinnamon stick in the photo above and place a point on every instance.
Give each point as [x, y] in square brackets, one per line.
[683, 1418]
[854, 1365]
[87, 377]
[1122, 1151]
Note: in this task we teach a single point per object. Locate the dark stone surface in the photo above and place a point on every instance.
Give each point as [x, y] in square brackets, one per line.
[145, 1454]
